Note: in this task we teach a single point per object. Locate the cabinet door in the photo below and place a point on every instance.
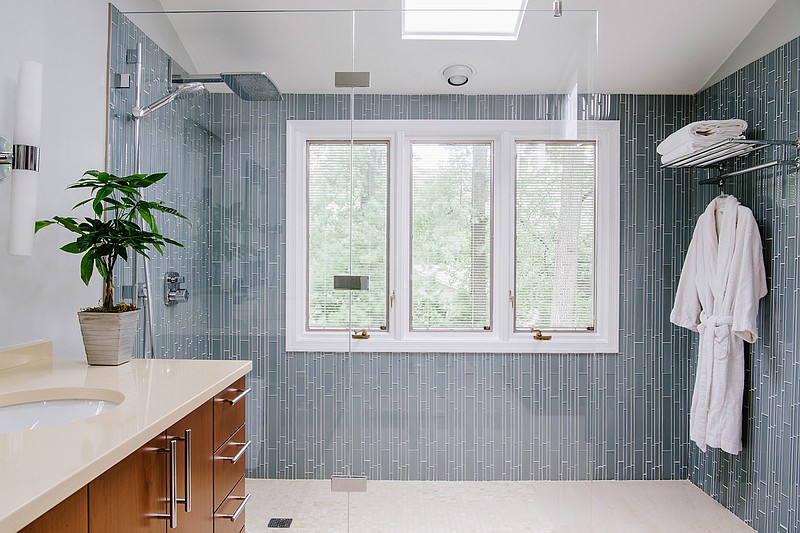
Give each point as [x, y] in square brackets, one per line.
[201, 423]
[69, 516]
[126, 497]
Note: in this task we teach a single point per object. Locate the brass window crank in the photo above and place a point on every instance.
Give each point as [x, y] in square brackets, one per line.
[360, 334]
[538, 335]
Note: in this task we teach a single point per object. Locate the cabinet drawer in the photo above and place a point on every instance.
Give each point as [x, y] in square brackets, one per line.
[233, 506]
[229, 465]
[229, 407]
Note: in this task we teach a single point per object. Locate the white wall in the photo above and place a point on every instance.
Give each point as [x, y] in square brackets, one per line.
[39, 295]
[779, 25]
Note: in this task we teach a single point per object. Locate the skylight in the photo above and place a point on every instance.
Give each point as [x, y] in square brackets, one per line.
[492, 20]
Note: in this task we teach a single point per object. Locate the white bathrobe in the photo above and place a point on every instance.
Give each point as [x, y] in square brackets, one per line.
[720, 286]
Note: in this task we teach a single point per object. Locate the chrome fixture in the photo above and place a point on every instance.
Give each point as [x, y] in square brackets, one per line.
[20, 160]
[251, 86]
[121, 81]
[457, 75]
[173, 292]
[17, 157]
[557, 12]
[183, 92]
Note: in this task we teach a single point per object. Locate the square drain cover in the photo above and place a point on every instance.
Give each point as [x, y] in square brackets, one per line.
[280, 522]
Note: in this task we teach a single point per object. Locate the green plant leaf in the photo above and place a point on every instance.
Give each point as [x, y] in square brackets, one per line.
[69, 223]
[174, 243]
[43, 224]
[73, 248]
[87, 267]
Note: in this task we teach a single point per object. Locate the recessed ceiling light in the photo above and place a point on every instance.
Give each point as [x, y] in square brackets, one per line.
[457, 75]
[463, 19]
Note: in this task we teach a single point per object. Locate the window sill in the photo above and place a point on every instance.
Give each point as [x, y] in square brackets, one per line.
[340, 341]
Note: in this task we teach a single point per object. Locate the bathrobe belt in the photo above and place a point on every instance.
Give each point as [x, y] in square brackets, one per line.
[715, 332]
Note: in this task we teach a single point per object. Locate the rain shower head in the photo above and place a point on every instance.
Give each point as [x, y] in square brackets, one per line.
[251, 86]
[187, 90]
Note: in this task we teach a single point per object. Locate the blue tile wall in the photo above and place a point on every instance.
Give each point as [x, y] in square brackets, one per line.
[761, 484]
[451, 416]
[175, 139]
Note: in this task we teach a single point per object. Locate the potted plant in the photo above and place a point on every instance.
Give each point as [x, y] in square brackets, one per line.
[109, 330]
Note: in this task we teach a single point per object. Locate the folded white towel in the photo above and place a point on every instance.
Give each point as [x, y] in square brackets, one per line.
[694, 146]
[706, 130]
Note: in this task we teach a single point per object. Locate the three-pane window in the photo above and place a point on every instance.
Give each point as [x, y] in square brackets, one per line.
[471, 238]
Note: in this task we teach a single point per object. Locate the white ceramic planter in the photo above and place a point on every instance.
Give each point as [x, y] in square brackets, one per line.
[108, 337]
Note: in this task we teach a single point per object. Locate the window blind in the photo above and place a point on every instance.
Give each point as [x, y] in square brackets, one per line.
[347, 233]
[555, 218]
[450, 236]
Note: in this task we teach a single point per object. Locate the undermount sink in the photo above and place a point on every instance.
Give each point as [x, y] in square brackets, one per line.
[43, 408]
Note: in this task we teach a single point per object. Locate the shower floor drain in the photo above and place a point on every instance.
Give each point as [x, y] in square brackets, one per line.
[280, 522]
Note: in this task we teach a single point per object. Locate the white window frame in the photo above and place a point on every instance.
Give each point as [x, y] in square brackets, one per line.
[504, 134]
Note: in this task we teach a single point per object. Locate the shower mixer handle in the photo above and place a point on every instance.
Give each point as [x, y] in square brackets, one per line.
[180, 296]
[174, 293]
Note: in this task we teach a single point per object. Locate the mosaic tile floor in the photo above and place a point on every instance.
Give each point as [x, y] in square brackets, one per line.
[452, 506]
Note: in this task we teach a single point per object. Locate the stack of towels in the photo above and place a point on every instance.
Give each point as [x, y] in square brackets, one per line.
[699, 135]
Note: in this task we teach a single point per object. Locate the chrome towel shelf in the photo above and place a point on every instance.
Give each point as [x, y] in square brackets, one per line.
[715, 154]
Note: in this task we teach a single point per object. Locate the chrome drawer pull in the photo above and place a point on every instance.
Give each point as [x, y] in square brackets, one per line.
[238, 398]
[187, 471]
[239, 455]
[238, 511]
[172, 516]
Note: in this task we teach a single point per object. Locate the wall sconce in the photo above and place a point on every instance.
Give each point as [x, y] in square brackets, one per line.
[22, 158]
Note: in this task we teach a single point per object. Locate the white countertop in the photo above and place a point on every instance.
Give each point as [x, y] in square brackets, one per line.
[40, 468]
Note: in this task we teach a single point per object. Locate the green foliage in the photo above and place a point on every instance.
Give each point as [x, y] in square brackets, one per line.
[117, 204]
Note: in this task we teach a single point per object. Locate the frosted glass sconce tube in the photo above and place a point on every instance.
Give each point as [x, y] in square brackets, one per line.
[24, 158]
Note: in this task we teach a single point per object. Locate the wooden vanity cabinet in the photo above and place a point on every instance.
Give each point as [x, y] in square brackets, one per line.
[125, 497]
[133, 495]
[201, 425]
[128, 497]
[69, 516]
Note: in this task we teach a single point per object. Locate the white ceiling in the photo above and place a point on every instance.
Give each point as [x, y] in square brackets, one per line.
[609, 46]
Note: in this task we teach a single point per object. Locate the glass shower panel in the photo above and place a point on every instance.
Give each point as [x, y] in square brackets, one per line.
[474, 416]
[296, 415]
[175, 139]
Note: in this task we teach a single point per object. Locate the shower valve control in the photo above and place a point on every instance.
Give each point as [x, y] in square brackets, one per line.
[174, 293]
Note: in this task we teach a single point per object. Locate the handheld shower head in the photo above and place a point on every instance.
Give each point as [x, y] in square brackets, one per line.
[185, 91]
